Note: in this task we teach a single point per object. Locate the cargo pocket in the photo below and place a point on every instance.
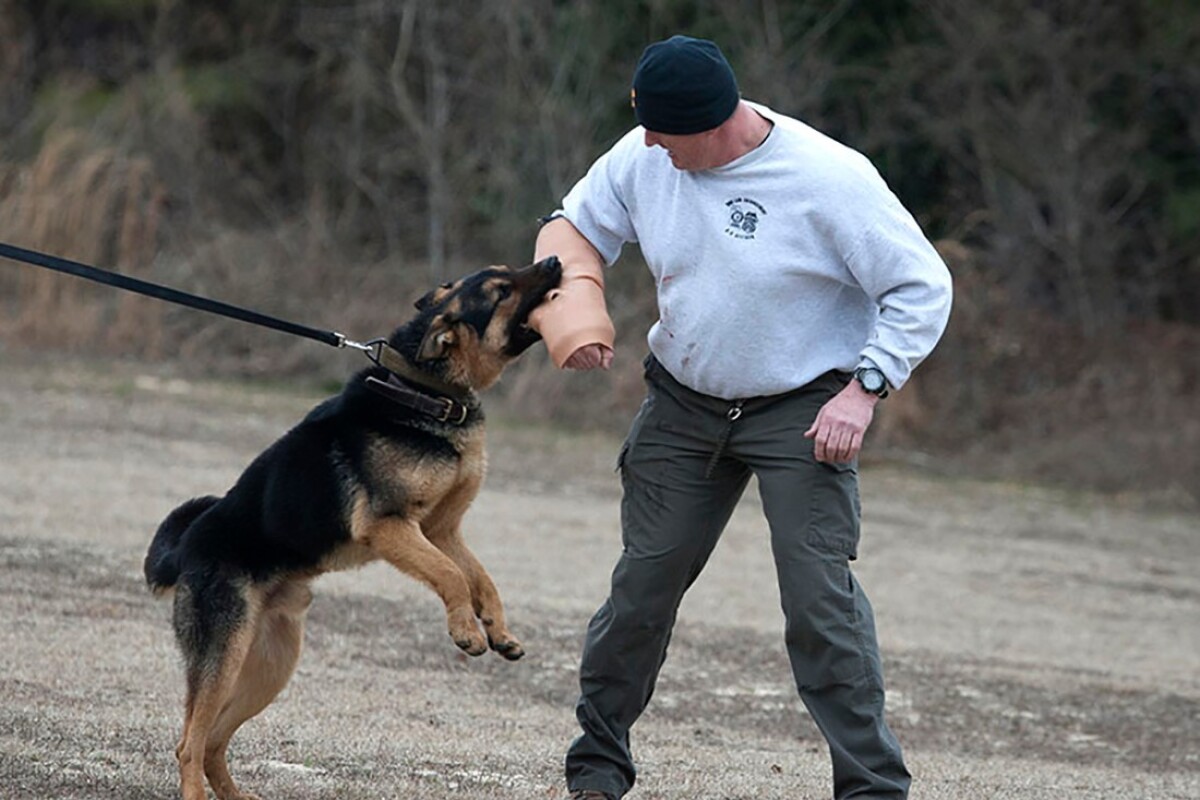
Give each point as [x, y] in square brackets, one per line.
[834, 518]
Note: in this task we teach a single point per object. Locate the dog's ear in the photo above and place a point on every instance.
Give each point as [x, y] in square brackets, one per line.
[425, 301]
[430, 297]
[438, 340]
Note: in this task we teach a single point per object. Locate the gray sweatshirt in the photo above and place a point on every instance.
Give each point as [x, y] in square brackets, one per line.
[793, 260]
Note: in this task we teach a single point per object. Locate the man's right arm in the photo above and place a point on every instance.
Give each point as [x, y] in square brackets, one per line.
[574, 320]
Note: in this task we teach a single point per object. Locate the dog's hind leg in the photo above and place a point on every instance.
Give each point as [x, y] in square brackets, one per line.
[269, 664]
[215, 622]
[401, 543]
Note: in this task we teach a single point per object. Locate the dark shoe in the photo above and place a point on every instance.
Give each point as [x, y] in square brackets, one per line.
[590, 794]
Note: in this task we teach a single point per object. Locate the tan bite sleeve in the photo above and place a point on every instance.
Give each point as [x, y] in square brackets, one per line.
[573, 315]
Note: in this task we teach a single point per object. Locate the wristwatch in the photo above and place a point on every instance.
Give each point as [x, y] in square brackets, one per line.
[872, 381]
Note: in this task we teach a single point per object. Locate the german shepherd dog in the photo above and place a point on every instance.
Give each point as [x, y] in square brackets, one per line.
[384, 470]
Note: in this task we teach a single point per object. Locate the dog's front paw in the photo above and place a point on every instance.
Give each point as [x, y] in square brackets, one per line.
[507, 646]
[466, 633]
[474, 645]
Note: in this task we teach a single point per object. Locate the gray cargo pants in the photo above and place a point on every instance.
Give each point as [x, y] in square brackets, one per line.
[677, 500]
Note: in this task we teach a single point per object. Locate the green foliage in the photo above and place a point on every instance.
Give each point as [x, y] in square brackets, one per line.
[1183, 213]
[220, 87]
[72, 100]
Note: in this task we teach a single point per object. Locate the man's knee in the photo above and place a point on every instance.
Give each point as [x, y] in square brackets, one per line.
[651, 586]
[828, 640]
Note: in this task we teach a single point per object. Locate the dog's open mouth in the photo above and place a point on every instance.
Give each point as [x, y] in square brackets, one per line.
[522, 337]
[534, 282]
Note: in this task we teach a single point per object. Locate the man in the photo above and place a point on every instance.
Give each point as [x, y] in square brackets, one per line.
[793, 290]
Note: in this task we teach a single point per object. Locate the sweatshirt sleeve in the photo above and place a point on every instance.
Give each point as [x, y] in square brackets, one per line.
[587, 234]
[902, 272]
[596, 204]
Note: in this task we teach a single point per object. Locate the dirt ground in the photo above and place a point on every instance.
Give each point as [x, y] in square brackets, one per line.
[1037, 644]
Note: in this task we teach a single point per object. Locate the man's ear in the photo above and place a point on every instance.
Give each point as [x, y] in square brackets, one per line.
[438, 339]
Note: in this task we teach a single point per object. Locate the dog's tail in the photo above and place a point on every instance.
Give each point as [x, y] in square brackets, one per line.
[161, 566]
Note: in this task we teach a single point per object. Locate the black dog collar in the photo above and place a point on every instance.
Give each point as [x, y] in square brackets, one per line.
[442, 409]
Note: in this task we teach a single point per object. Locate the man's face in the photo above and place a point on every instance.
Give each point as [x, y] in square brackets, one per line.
[691, 152]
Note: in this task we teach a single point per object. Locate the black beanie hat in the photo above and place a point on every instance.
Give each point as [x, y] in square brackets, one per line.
[682, 86]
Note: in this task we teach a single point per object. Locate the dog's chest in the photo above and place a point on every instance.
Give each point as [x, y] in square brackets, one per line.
[415, 481]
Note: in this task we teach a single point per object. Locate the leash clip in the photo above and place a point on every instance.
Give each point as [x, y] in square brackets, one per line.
[373, 348]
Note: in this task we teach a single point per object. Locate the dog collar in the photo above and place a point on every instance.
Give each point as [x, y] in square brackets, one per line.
[390, 359]
[442, 409]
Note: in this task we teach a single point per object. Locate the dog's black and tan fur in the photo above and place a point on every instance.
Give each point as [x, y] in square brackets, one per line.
[361, 478]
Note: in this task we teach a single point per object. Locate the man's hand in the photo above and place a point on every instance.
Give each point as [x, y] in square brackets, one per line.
[590, 356]
[838, 430]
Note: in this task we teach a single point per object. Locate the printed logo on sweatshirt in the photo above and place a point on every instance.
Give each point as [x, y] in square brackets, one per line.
[745, 215]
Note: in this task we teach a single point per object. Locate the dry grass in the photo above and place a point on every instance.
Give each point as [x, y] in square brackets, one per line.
[90, 204]
[1014, 392]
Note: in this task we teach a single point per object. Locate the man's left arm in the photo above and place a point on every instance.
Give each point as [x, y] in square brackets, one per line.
[902, 272]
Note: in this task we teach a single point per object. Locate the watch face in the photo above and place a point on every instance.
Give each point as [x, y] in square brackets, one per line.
[871, 380]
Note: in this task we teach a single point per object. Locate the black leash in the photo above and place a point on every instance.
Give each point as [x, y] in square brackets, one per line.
[154, 290]
[444, 409]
